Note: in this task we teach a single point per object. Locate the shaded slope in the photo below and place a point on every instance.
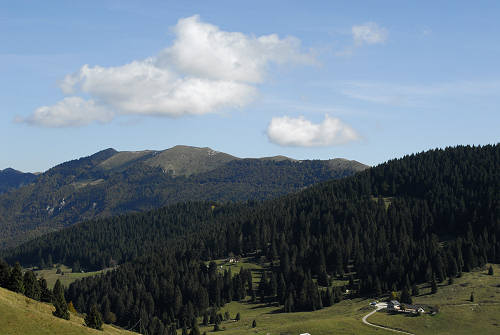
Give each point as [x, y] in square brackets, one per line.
[12, 179]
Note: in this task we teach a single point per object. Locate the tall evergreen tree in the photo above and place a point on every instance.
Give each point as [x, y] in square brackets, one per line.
[16, 282]
[45, 293]
[31, 285]
[60, 302]
[93, 319]
[4, 273]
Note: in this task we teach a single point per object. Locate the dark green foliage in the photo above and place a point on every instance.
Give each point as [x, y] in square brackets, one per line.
[471, 297]
[4, 273]
[434, 287]
[16, 282]
[60, 302]
[31, 285]
[490, 270]
[45, 293]
[405, 296]
[238, 316]
[254, 324]
[93, 319]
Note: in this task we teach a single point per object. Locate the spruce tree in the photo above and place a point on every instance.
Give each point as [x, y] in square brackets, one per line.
[31, 286]
[94, 319]
[414, 290]
[434, 287]
[45, 293]
[16, 282]
[4, 273]
[60, 302]
[405, 296]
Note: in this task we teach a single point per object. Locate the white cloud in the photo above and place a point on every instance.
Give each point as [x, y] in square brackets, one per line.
[204, 71]
[71, 111]
[299, 132]
[203, 50]
[369, 33]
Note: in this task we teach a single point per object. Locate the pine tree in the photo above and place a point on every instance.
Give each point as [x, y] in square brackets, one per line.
[434, 287]
[45, 293]
[4, 273]
[31, 286]
[60, 302]
[94, 319]
[405, 296]
[205, 318]
[414, 290]
[16, 283]
[490, 270]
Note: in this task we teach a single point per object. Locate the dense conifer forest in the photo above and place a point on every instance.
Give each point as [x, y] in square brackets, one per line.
[422, 218]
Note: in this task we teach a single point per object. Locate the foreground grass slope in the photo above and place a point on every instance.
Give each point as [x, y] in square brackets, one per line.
[24, 316]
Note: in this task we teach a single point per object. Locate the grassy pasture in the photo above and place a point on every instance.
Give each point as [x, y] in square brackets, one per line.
[20, 315]
[52, 276]
[458, 315]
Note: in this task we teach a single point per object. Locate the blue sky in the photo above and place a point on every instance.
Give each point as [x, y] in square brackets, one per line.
[362, 80]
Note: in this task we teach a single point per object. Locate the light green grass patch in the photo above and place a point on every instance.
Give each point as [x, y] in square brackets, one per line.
[51, 275]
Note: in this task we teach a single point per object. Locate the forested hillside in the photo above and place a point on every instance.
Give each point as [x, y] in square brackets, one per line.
[11, 179]
[421, 218]
[111, 183]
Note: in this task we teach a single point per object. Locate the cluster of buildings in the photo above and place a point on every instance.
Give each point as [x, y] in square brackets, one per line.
[396, 307]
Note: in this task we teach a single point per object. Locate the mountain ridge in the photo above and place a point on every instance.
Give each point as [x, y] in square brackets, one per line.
[112, 182]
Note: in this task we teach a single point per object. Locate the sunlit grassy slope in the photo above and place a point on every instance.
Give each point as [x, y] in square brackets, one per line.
[458, 315]
[20, 315]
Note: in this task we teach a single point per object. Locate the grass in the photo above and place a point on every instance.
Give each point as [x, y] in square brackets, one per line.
[458, 315]
[51, 275]
[343, 318]
[20, 315]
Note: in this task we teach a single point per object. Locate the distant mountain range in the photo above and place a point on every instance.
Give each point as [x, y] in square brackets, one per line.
[12, 179]
[111, 182]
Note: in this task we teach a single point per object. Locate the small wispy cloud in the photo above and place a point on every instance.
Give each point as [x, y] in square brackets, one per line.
[369, 33]
[415, 95]
[300, 132]
[205, 70]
